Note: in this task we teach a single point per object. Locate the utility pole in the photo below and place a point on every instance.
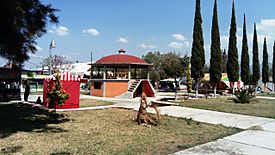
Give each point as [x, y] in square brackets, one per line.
[91, 73]
[52, 45]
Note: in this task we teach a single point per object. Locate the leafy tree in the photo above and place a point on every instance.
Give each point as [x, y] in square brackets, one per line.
[224, 61]
[232, 62]
[265, 76]
[273, 67]
[57, 62]
[188, 79]
[30, 74]
[186, 72]
[256, 68]
[198, 57]
[22, 22]
[245, 73]
[57, 95]
[172, 66]
[215, 60]
[186, 64]
[156, 72]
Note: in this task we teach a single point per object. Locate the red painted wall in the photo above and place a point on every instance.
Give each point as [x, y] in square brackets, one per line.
[147, 89]
[71, 87]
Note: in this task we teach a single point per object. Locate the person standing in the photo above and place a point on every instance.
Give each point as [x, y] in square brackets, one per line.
[27, 91]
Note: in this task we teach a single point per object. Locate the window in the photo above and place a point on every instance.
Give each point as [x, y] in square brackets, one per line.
[97, 85]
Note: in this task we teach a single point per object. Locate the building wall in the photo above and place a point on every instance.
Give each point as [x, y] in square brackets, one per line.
[97, 92]
[115, 88]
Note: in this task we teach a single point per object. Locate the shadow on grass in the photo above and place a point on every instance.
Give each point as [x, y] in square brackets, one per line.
[11, 149]
[16, 117]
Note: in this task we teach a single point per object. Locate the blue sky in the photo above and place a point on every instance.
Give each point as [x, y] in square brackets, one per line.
[139, 26]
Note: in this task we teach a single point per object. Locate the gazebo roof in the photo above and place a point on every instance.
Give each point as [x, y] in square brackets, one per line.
[121, 59]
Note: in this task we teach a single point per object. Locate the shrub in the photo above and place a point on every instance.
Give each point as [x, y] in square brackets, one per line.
[30, 74]
[243, 96]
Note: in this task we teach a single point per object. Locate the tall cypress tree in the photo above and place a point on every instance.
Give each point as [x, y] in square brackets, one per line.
[256, 68]
[197, 58]
[245, 73]
[273, 67]
[232, 62]
[265, 69]
[224, 61]
[215, 60]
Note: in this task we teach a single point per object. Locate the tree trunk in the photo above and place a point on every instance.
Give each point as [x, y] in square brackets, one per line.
[264, 87]
[215, 90]
[233, 89]
[256, 84]
[197, 89]
[176, 88]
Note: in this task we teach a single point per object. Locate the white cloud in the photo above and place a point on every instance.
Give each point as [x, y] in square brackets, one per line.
[38, 48]
[60, 31]
[91, 31]
[266, 27]
[51, 31]
[145, 46]
[186, 43]
[176, 45]
[179, 37]
[122, 40]
[37, 56]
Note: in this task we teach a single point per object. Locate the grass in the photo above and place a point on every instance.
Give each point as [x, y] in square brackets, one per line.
[93, 103]
[25, 130]
[268, 94]
[257, 107]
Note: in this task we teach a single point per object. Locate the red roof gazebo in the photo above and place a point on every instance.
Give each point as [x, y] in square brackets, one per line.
[121, 75]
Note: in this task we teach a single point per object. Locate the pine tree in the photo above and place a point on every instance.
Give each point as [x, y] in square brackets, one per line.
[215, 60]
[224, 61]
[256, 69]
[265, 69]
[273, 67]
[245, 73]
[232, 62]
[198, 57]
[57, 94]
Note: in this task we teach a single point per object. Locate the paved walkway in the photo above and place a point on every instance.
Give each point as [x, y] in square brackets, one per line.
[248, 142]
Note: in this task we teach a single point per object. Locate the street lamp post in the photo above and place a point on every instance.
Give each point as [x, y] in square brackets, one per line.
[52, 45]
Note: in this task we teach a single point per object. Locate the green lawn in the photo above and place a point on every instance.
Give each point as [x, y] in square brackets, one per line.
[267, 94]
[257, 107]
[93, 103]
[25, 130]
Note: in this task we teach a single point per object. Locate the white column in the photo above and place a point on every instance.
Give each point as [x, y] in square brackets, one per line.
[148, 75]
[129, 76]
[103, 82]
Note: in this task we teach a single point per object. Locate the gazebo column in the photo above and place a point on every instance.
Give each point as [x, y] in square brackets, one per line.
[129, 76]
[148, 75]
[104, 80]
